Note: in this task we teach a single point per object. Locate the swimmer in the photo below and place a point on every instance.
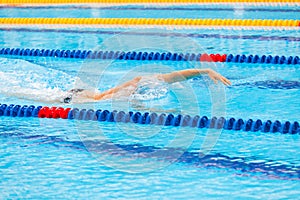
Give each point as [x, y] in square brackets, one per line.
[131, 86]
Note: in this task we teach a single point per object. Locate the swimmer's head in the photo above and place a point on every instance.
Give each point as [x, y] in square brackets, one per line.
[71, 93]
[79, 95]
[76, 90]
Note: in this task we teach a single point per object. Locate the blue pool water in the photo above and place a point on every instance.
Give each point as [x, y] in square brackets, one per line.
[203, 11]
[66, 159]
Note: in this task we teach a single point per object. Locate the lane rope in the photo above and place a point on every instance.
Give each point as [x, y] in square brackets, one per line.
[163, 119]
[182, 22]
[150, 56]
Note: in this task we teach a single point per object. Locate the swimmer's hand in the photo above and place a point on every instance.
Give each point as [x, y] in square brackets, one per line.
[183, 75]
[217, 77]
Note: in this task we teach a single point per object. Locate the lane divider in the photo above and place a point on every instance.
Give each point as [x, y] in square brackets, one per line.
[14, 2]
[185, 22]
[162, 56]
[151, 118]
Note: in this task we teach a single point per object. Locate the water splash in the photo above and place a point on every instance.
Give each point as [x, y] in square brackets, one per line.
[150, 88]
[22, 79]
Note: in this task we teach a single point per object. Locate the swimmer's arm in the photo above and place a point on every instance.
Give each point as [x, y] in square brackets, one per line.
[109, 93]
[183, 75]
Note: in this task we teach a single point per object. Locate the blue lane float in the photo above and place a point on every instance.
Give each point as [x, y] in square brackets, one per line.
[151, 56]
[235, 124]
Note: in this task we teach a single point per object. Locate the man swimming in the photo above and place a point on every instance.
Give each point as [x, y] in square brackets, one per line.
[131, 87]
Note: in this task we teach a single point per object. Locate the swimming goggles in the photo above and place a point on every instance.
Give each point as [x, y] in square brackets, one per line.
[72, 92]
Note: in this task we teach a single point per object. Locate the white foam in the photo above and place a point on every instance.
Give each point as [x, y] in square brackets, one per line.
[23, 79]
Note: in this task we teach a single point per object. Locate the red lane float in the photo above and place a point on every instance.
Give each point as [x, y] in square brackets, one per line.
[213, 57]
[54, 112]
